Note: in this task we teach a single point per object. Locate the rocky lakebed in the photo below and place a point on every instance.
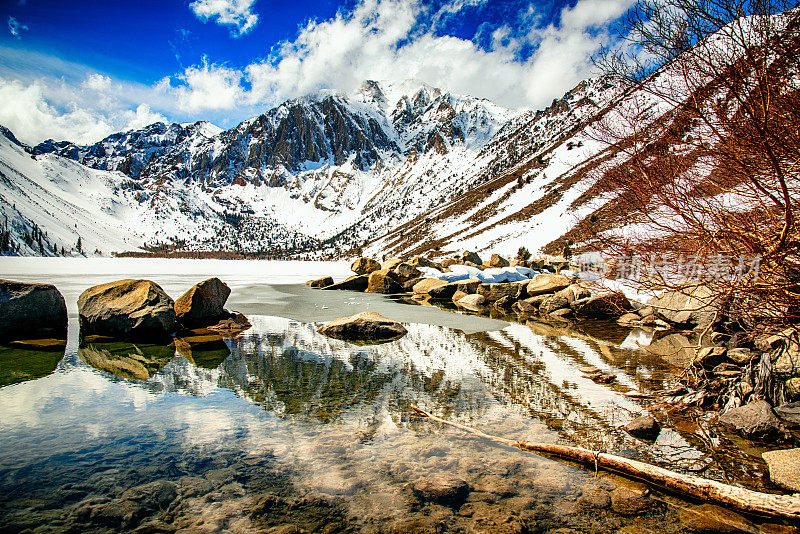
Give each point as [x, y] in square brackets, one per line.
[255, 402]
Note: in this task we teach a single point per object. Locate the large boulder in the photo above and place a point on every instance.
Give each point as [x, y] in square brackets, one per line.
[128, 309]
[31, 311]
[471, 257]
[469, 285]
[354, 283]
[753, 420]
[552, 304]
[443, 292]
[691, 306]
[542, 284]
[203, 304]
[605, 306]
[474, 302]
[494, 292]
[364, 266]
[426, 284]
[419, 261]
[365, 326]
[404, 272]
[498, 261]
[383, 281]
[574, 292]
[391, 263]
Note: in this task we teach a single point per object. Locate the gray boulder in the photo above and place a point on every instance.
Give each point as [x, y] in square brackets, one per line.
[134, 309]
[753, 420]
[691, 306]
[30, 311]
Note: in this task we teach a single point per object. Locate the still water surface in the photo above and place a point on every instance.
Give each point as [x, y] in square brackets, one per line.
[285, 430]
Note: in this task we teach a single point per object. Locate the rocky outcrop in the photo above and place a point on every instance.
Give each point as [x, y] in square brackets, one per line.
[365, 266]
[403, 272]
[364, 327]
[203, 304]
[31, 311]
[128, 309]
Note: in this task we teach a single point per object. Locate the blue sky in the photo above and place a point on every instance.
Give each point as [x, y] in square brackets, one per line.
[80, 70]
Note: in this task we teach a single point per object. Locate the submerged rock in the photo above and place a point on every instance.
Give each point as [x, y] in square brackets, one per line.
[31, 311]
[442, 490]
[365, 326]
[127, 309]
[644, 427]
[631, 500]
[474, 302]
[712, 519]
[203, 304]
[784, 468]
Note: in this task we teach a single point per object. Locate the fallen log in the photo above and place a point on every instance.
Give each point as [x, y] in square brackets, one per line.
[742, 499]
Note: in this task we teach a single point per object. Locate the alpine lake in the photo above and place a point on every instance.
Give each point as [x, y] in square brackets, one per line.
[284, 430]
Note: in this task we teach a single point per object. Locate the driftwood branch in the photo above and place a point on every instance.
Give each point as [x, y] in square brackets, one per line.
[745, 500]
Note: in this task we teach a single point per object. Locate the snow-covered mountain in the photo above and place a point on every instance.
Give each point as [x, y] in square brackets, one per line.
[393, 167]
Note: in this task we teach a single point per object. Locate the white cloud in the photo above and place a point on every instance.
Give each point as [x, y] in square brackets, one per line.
[236, 13]
[26, 110]
[208, 87]
[97, 82]
[15, 27]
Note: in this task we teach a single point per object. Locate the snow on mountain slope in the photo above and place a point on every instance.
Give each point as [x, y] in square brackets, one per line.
[304, 171]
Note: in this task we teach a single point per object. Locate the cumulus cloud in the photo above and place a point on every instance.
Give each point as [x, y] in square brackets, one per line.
[392, 40]
[207, 87]
[30, 114]
[235, 13]
[15, 27]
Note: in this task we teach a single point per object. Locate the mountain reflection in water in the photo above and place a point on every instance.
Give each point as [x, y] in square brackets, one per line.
[321, 417]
